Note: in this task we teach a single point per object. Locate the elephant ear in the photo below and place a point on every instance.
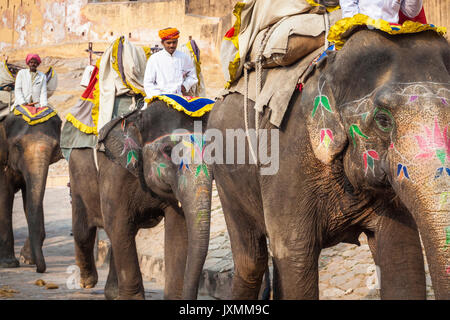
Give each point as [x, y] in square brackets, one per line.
[121, 141]
[326, 131]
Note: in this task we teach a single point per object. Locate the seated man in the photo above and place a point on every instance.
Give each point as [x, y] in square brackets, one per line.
[169, 71]
[31, 85]
[387, 10]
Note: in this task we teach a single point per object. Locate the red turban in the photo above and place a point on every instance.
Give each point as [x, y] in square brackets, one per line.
[33, 56]
[169, 33]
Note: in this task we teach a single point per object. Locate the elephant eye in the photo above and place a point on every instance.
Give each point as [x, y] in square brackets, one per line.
[384, 120]
[167, 150]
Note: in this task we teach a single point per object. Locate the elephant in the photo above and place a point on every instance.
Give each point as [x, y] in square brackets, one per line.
[137, 185]
[363, 148]
[26, 152]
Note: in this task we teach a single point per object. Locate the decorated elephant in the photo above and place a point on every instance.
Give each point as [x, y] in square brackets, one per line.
[138, 184]
[364, 148]
[26, 152]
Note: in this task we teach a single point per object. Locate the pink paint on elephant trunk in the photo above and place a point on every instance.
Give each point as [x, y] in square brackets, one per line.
[420, 171]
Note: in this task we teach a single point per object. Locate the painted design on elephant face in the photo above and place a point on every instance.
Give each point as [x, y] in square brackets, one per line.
[200, 190]
[201, 215]
[369, 158]
[202, 168]
[443, 199]
[323, 102]
[132, 158]
[326, 137]
[129, 148]
[183, 167]
[354, 129]
[435, 144]
[447, 238]
[159, 168]
[429, 90]
[402, 172]
[413, 98]
[128, 144]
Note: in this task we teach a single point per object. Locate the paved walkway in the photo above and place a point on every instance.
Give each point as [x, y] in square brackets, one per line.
[346, 271]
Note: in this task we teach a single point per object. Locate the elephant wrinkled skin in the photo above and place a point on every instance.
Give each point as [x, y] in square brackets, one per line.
[364, 148]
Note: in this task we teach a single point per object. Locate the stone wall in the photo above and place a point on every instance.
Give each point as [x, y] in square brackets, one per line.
[45, 23]
[212, 8]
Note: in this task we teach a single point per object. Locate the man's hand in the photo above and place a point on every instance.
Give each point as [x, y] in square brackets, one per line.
[183, 90]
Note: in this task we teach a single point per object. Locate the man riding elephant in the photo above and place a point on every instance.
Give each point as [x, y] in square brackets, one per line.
[31, 84]
[169, 70]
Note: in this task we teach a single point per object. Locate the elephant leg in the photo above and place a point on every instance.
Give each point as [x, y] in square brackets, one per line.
[175, 253]
[122, 234]
[295, 248]
[7, 257]
[249, 249]
[26, 256]
[84, 238]
[399, 256]
[112, 286]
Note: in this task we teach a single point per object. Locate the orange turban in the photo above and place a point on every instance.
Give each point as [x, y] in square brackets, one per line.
[169, 33]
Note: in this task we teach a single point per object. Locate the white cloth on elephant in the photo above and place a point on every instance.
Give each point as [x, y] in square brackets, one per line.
[5, 75]
[28, 90]
[111, 80]
[198, 89]
[255, 16]
[387, 10]
[166, 73]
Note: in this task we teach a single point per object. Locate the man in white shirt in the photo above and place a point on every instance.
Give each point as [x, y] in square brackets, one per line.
[169, 71]
[31, 85]
[387, 10]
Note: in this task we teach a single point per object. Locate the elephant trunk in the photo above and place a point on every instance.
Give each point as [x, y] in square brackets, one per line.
[197, 210]
[37, 161]
[420, 162]
[424, 199]
[434, 227]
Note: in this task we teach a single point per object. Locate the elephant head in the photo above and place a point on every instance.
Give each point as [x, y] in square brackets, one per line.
[28, 153]
[381, 105]
[145, 143]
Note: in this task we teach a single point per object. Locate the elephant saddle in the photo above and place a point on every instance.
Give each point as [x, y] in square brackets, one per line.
[34, 115]
[192, 106]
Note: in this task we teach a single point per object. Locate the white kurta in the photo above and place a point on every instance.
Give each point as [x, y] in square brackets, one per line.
[166, 73]
[26, 91]
[381, 9]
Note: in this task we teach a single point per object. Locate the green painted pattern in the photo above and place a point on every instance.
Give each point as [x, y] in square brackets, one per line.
[322, 101]
[355, 129]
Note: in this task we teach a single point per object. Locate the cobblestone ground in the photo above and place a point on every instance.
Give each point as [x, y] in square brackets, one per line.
[346, 271]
